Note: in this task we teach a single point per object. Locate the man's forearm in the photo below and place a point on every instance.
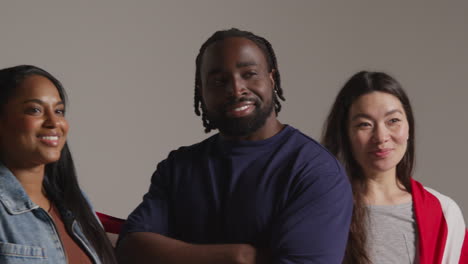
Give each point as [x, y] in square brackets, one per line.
[145, 247]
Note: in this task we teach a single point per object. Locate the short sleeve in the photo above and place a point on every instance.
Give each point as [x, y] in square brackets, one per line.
[314, 224]
[152, 214]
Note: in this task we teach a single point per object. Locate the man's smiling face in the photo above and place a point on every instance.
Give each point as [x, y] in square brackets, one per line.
[237, 86]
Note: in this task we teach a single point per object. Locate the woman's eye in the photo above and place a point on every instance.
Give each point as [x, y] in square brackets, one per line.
[33, 110]
[363, 125]
[60, 111]
[394, 120]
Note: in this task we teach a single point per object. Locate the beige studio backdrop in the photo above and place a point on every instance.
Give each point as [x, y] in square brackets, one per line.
[128, 67]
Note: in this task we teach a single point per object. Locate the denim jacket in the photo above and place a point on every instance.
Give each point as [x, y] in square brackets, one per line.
[28, 233]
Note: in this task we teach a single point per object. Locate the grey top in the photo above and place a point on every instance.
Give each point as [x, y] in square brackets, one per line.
[392, 234]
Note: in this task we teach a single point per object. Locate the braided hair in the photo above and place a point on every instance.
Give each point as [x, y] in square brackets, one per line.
[262, 43]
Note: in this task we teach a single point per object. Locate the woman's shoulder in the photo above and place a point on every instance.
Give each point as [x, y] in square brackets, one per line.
[448, 204]
[419, 190]
[426, 197]
[439, 218]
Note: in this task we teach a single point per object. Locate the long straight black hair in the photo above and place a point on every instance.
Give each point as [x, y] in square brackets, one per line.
[336, 139]
[60, 182]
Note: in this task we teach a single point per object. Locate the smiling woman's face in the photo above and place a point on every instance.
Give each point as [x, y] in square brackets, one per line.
[33, 128]
[378, 131]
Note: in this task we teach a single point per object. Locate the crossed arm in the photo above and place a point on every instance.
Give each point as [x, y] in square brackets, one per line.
[311, 228]
[153, 245]
[146, 247]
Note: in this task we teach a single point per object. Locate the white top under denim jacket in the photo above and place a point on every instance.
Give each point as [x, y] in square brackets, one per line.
[27, 232]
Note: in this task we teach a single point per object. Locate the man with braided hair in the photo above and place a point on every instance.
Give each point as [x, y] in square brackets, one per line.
[258, 191]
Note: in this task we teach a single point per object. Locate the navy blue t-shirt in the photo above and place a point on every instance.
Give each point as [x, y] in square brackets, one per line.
[286, 194]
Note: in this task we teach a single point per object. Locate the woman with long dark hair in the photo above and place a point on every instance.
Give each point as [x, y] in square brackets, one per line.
[371, 130]
[44, 217]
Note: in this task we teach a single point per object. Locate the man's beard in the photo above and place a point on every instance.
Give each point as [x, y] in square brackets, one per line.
[243, 126]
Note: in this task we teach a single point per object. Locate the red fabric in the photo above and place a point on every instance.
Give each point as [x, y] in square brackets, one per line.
[431, 224]
[464, 253]
[111, 224]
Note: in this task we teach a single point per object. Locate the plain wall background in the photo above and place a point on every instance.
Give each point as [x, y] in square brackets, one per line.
[128, 67]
